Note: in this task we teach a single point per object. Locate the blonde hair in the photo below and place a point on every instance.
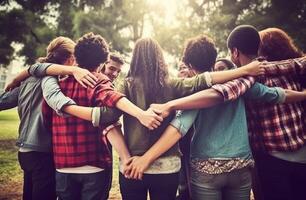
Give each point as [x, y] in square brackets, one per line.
[59, 50]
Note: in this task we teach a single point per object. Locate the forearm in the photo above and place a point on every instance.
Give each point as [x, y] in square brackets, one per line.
[294, 96]
[79, 111]
[56, 69]
[126, 106]
[116, 139]
[202, 99]
[164, 143]
[228, 75]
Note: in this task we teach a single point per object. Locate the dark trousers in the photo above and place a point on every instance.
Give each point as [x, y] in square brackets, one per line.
[93, 186]
[39, 175]
[280, 179]
[159, 186]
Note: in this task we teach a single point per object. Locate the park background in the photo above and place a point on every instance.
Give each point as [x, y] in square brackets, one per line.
[27, 26]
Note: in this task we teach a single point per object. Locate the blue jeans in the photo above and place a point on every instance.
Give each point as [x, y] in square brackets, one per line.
[235, 185]
[92, 186]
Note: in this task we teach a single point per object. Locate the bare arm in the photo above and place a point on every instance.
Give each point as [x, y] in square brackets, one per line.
[294, 96]
[137, 165]
[79, 111]
[253, 69]
[116, 139]
[202, 99]
[17, 80]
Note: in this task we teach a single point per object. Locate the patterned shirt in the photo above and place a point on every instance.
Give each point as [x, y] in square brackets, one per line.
[75, 141]
[280, 127]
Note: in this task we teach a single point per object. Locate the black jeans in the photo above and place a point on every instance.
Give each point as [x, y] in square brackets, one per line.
[280, 179]
[39, 175]
[159, 186]
[93, 186]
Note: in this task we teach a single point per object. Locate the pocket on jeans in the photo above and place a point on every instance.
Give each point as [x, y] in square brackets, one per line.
[61, 182]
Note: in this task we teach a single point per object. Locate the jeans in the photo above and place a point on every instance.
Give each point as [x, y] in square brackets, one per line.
[235, 185]
[92, 186]
[280, 179]
[159, 186]
[39, 175]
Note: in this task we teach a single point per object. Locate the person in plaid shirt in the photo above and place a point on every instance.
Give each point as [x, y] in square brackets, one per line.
[80, 157]
[278, 132]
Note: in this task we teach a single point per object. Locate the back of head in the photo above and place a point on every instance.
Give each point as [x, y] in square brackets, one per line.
[245, 38]
[200, 52]
[148, 65]
[277, 45]
[91, 50]
[58, 50]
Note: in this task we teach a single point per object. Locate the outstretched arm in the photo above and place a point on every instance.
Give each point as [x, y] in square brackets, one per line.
[294, 96]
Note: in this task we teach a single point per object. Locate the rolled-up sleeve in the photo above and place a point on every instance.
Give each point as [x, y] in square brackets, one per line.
[9, 99]
[232, 90]
[53, 95]
[39, 69]
[263, 93]
[184, 120]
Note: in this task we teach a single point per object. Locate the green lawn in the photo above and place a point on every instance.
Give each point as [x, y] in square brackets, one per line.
[10, 172]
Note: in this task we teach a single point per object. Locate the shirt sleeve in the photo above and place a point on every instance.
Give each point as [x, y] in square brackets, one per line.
[106, 95]
[261, 92]
[232, 90]
[287, 67]
[53, 95]
[9, 99]
[105, 115]
[39, 69]
[184, 120]
[186, 86]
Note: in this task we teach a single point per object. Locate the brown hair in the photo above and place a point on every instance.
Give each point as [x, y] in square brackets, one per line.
[116, 57]
[277, 45]
[149, 66]
[58, 51]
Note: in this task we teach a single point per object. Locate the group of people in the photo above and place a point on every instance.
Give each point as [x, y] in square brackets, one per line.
[216, 131]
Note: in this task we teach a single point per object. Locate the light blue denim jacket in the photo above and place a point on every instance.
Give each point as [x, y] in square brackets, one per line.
[28, 97]
[221, 131]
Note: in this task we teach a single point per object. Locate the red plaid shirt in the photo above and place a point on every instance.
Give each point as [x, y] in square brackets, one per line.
[279, 127]
[75, 141]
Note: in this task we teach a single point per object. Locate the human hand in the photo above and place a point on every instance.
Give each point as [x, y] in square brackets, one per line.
[13, 84]
[84, 77]
[135, 167]
[254, 68]
[163, 109]
[150, 119]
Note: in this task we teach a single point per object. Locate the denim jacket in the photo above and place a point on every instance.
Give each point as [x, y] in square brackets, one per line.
[28, 97]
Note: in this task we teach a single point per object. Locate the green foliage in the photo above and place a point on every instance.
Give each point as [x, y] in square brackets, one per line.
[34, 23]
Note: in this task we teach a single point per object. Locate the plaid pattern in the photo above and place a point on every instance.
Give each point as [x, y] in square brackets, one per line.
[232, 90]
[280, 127]
[75, 141]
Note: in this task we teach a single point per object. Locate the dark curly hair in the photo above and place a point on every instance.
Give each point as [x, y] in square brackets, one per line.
[200, 52]
[91, 50]
[276, 44]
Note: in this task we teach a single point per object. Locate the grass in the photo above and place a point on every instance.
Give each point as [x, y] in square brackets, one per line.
[10, 172]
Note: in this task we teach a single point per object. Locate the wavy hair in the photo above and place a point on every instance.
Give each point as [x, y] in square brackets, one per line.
[58, 50]
[276, 44]
[148, 65]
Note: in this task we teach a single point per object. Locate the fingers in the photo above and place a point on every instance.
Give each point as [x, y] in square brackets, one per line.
[89, 78]
[82, 84]
[93, 77]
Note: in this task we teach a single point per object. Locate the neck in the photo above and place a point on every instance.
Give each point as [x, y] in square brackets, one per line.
[244, 60]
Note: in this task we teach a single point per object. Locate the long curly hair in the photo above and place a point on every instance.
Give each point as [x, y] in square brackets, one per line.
[148, 66]
[58, 51]
[276, 44]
